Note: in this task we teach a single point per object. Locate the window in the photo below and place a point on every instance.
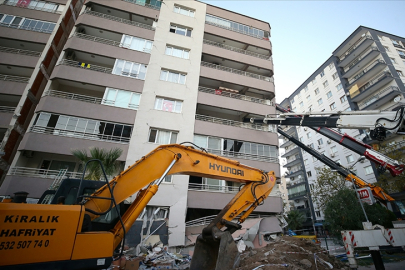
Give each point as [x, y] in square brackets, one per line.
[394, 42]
[184, 11]
[136, 44]
[335, 76]
[331, 65]
[162, 136]
[121, 98]
[325, 83]
[306, 162]
[332, 106]
[309, 173]
[329, 94]
[129, 69]
[310, 108]
[393, 60]
[309, 135]
[314, 81]
[386, 48]
[238, 27]
[314, 159]
[343, 99]
[292, 101]
[177, 52]
[320, 141]
[380, 37]
[400, 73]
[316, 91]
[170, 76]
[349, 158]
[333, 149]
[299, 95]
[168, 105]
[27, 24]
[368, 170]
[71, 126]
[168, 179]
[37, 5]
[320, 101]
[311, 186]
[301, 139]
[401, 53]
[180, 30]
[306, 88]
[301, 104]
[309, 97]
[318, 213]
[322, 73]
[311, 145]
[339, 86]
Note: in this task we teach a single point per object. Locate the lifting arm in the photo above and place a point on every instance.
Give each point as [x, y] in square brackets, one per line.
[184, 160]
[384, 162]
[349, 176]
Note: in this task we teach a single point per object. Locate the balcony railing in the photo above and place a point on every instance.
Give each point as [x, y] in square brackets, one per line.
[354, 46]
[237, 71]
[19, 51]
[377, 96]
[80, 135]
[370, 83]
[105, 41]
[290, 150]
[208, 219]
[142, 3]
[41, 173]
[66, 95]
[232, 154]
[76, 64]
[235, 96]
[214, 188]
[14, 78]
[24, 27]
[247, 125]
[18, 4]
[361, 56]
[297, 194]
[238, 50]
[117, 19]
[6, 109]
[361, 74]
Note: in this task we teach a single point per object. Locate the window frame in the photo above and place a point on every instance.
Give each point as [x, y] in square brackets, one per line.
[172, 48]
[173, 72]
[187, 33]
[115, 69]
[343, 99]
[156, 136]
[332, 106]
[163, 99]
[367, 169]
[329, 94]
[132, 106]
[180, 8]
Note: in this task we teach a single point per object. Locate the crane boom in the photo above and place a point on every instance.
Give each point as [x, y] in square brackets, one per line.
[321, 125]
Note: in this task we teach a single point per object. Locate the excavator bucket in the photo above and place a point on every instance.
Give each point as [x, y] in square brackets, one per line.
[215, 254]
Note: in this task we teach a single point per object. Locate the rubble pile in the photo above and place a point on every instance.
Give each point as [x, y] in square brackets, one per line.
[289, 253]
[154, 257]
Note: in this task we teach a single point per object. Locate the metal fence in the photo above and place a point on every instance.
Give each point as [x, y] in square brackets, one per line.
[377, 96]
[361, 74]
[214, 188]
[41, 173]
[6, 109]
[66, 95]
[24, 27]
[354, 46]
[247, 125]
[237, 71]
[19, 51]
[76, 64]
[12, 78]
[235, 96]
[18, 4]
[77, 134]
[371, 82]
[231, 154]
[238, 50]
[117, 19]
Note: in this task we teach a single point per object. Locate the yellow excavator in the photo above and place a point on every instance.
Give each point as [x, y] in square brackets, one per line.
[61, 236]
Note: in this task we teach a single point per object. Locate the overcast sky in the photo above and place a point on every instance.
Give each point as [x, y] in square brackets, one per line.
[305, 33]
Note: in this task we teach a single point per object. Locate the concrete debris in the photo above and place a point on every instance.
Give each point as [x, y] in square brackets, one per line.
[286, 252]
[154, 257]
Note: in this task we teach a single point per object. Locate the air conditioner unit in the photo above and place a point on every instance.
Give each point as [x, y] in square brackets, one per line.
[332, 154]
[319, 147]
[328, 141]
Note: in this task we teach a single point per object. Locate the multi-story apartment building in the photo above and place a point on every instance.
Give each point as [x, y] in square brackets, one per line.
[366, 72]
[135, 74]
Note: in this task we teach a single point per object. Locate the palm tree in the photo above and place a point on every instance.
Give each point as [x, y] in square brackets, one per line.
[108, 159]
[295, 219]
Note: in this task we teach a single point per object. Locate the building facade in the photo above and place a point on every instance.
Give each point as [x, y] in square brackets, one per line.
[366, 72]
[133, 75]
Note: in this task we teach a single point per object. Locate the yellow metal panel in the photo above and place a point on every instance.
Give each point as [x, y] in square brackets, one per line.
[354, 90]
[31, 233]
[93, 245]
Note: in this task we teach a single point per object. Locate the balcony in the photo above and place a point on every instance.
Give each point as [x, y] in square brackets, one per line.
[380, 98]
[29, 28]
[292, 162]
[297, 195]
[291, 151]
[235, 96]
[288, 142]
[371, 86]
[237, 71]
[32, 7]
[358, 47]
[233, 155]
[118, 19]
[19, 51]
[295, 173]
[368, 73]
[153, 4]
[12, 78]
[362, 60]
[296, 183]
[247, 125]
[40, 173]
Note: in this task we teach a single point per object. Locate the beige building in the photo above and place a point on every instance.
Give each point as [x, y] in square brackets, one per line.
[134, 74]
